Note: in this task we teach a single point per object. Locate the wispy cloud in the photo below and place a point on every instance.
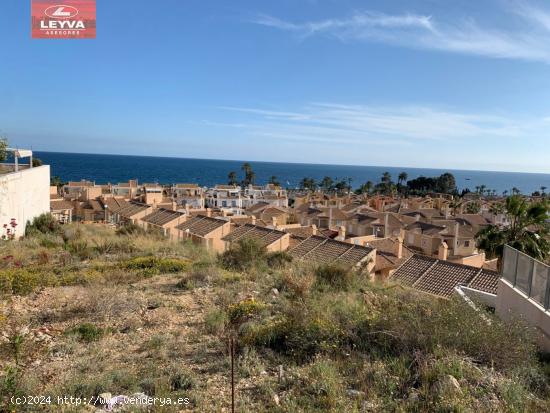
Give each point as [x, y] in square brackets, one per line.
[335, 124]
[530, 42]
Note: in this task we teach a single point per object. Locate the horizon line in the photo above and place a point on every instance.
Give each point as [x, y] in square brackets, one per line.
[294, 163]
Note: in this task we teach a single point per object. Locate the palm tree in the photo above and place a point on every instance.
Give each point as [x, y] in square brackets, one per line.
[386, 181]
[528, 231]
[456, 204]
[543, 190]
[273, 181]
[232, 178]
[515, 191]
[249, 175]
[402, 178]
[3, 149]
[308, 183]
[327, 184]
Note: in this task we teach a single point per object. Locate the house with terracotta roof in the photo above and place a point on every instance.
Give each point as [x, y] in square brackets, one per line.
[190, 195]
[273, 240]
[320, 250]
[205, 231]
[130, 212]
[269, 214]
[62, 210]
[391, 253]
[92, 211]
[151, 194]
[164, 221]
[448, 240]
[82, 190]
[442, 278]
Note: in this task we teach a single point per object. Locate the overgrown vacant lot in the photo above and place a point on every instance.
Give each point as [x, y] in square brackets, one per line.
[86, 311]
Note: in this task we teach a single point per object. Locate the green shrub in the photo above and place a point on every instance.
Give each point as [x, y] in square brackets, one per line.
[20, 281]
[215, 322]
[80, 249]
[43, 224]
[115, 247]
[278, 259]
[86, 332]
[336, 276]
[130, 229]
[150, 265]
[243, 255]
[237, 313]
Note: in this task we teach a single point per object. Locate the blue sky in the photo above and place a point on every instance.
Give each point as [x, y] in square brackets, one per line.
[433, 83]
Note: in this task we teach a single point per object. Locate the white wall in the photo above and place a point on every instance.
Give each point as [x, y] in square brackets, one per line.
[512, 303]
[23, 196]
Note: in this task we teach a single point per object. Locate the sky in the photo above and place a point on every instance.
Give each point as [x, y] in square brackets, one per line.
[434, 83]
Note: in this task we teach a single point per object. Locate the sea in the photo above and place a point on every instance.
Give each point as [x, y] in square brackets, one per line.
[207, 172]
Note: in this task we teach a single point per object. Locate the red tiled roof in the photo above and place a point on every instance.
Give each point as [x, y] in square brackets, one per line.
[442, 277]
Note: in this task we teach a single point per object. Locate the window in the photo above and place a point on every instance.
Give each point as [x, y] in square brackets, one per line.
[466, 243]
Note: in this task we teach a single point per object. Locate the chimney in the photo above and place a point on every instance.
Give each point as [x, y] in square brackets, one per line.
[314, 229]
[386, 225]
[187, 210]
[443, 251]
[224, 213]
[399, 252]
[208, 212]
[341, 233]
[274, 222]
[174, 206]
[253, 220]
[455, 240]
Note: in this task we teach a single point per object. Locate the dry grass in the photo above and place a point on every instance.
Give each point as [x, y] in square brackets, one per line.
[91, 324]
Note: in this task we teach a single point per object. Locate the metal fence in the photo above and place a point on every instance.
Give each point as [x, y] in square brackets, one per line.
[528, 275]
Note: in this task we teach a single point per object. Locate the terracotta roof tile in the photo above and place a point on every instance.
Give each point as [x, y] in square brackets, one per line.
[162, 217]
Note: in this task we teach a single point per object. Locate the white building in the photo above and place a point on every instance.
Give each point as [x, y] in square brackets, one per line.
[24, 192]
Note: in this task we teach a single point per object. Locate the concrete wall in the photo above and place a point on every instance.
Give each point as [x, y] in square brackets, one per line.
[512, 304]
[24, 195]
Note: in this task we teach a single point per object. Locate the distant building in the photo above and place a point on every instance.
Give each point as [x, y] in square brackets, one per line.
[24, 191]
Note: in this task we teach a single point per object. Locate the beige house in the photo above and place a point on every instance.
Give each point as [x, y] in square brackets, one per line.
[442, 278]
[273, 240]
[81, 191]
[205, 231]
[190, 195]
[62, 211]
[165, 221]
[320, 250]
[126, 190]
[132, 212]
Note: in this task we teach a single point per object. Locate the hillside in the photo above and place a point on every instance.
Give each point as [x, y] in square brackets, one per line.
[87, 311]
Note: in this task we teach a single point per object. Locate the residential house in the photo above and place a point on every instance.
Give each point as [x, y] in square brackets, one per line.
[62, 210]
[273, 240]
[321, 250]
[205, 231]
[226, 197]
[132, 212]
[81, 191]
[271, 194]
[188, 194]
[127, 190]
[442, 278]
[391, 253]
[164, 221]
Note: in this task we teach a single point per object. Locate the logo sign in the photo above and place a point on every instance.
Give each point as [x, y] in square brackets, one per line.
[63, 19]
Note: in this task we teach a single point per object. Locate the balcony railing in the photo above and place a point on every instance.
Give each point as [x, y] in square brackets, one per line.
[7, 168]
[527, 275]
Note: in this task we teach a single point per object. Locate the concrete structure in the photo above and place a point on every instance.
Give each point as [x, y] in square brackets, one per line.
[24, 192]
[524, 292]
